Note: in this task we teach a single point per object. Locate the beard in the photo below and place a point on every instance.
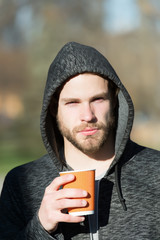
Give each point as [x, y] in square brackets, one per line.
[89, 144]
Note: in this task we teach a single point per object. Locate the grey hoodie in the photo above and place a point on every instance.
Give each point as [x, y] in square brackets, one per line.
[129, 205]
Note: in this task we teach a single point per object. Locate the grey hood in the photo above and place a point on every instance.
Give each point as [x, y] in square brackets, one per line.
[73, 59]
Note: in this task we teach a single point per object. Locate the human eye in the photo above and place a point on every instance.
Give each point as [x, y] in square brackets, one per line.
[99, 99]
[71, 102]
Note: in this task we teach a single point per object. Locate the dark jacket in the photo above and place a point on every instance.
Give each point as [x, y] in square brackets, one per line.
[129, 198]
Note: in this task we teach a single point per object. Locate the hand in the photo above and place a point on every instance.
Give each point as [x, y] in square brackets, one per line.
[55, 201]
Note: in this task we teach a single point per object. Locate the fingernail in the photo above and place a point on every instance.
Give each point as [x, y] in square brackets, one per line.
[83, 202]
[70, 176]
[82, 219]
[85, 193]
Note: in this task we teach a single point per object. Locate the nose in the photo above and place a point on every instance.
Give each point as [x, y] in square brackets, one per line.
[87, 113]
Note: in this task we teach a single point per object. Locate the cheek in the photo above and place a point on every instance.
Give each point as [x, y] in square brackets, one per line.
[70, 114]
[103, 111]
[67, 118]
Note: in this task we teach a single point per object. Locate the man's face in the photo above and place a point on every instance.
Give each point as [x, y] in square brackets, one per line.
[85, 115]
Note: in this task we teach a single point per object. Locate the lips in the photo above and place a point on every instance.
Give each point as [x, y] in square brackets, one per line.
[88, 131]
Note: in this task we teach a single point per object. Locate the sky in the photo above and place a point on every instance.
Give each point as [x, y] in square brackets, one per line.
[121, 16]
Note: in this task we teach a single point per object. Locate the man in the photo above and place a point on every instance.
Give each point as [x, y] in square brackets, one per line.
[86, 120]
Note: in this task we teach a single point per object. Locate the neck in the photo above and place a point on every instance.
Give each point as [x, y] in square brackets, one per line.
[100, 160]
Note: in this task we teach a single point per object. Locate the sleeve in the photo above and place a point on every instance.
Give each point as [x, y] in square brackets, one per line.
[12, 223]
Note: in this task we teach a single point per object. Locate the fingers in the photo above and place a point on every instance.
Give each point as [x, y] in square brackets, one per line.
[59, 181]
[71, 193]
[69, 203]
[69, 218]
[55, 201]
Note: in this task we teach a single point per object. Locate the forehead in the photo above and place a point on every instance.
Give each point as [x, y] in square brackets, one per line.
[85, 84]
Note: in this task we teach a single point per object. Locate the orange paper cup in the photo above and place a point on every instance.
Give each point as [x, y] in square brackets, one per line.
[84, 179]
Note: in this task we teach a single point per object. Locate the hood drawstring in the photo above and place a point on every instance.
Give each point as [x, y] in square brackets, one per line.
[118, 186]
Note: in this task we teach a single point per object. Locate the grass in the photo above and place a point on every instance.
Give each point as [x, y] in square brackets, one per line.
[11, 162]
[8, 161]
[11, 156]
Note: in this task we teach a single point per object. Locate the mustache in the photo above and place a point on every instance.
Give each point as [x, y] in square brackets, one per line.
[83, 126]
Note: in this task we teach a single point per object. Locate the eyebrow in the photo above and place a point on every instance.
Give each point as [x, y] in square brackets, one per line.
[64, 100]
[104, 95]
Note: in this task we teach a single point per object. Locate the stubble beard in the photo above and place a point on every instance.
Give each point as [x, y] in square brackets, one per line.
[92, 143]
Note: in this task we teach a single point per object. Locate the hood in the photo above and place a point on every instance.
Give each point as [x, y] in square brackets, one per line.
[73, 59]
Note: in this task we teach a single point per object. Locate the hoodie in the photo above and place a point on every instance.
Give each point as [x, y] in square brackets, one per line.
[129, 192]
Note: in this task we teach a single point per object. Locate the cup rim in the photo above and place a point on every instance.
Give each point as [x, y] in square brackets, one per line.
[73, 171]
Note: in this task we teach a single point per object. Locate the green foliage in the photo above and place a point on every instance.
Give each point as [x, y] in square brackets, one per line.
[13, 154]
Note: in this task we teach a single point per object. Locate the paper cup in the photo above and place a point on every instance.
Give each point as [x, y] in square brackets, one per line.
[84, 179]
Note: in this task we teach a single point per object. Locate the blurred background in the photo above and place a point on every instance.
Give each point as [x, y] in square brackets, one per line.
[127, 32]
